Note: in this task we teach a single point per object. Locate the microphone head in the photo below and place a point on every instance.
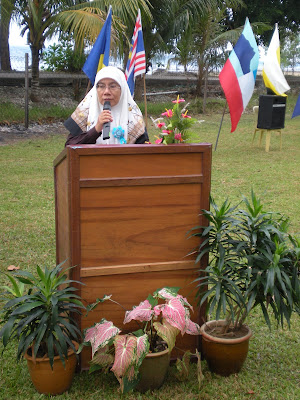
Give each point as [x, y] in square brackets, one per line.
[106, 105]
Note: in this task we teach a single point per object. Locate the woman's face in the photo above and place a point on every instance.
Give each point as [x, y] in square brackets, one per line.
[108, 90]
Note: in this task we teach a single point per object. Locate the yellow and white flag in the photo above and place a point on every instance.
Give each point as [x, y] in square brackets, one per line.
[272, 73]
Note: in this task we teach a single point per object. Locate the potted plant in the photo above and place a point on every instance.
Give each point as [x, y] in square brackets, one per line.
[253, 262]
[174, 124]
[140, 359]
[38, 311]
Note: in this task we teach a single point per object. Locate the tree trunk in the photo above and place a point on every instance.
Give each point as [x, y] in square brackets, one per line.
[205, 89]
[4, 46]
[200, 78]
[138, 88]
[35, 74]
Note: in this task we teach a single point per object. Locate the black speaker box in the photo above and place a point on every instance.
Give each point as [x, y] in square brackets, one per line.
[271, 112]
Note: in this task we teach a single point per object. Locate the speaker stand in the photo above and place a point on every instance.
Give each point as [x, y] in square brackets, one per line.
[268, 137]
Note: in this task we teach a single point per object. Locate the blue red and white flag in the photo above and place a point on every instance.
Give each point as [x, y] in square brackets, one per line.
[136, 64]
[99, 55]
[296, 111]
[238, 75]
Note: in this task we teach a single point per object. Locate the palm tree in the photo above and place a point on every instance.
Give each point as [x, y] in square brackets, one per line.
[6, 10]
[84, 21]
[36, 18]
[40, 20]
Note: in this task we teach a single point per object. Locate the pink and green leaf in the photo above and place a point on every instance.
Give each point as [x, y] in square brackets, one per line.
[167, 332]
[167, 293]
[102, 357]
[176, 314]
[101, 334]
[142, 349]
[125, 352]
[142, 312]
[192, 328]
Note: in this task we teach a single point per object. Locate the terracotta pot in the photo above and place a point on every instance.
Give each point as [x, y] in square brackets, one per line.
[153, 371]
[52, 381]
[224, 356]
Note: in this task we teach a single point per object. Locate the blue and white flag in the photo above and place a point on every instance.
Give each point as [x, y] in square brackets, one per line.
[99, 55]
[136, 64]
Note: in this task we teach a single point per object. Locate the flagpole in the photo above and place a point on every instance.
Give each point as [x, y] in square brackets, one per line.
[145, 100]
[220, 126]
[88, 88]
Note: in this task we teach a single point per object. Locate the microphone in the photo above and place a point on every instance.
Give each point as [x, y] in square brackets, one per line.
[106, 126]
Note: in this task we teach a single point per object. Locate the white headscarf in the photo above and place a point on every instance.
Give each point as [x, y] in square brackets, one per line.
[121, 112]
[126, 114]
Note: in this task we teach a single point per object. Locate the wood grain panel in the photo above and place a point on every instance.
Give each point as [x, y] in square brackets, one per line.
[112, 166]
[132, 225]
[62, 213]
[136, 268]
[122, 217]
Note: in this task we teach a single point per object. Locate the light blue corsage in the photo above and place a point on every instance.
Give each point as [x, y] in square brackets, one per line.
[118, 133]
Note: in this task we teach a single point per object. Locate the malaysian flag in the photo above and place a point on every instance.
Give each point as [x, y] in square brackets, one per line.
[136, 64]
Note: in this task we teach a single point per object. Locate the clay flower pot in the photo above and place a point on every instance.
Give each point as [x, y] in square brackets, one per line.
[224, 356]
[153, 371]
[52, 381]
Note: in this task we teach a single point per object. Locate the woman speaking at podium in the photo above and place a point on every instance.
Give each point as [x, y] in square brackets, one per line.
[108, 114]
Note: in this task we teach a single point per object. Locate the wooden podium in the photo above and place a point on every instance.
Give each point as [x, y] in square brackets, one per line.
[122, 219]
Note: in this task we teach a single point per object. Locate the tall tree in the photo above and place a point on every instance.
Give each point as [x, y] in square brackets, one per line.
[6, 10]
[290, 51]
[284, 12]
[36, 17]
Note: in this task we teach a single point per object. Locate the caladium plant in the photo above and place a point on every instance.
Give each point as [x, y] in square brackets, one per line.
[164, 315]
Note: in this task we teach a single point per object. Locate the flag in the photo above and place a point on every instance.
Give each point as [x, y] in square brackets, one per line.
[136, 64]
[272, 74]
[99, 55]
[238, 75]
[297, 108]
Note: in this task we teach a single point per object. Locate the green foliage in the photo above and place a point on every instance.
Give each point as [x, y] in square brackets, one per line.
[43, 317]
[126, 352]
[252, 262]
[62, 57]
[10, 113]
[174, 128]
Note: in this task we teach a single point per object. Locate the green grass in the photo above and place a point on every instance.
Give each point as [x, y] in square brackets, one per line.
[11, 113]
[27, 238]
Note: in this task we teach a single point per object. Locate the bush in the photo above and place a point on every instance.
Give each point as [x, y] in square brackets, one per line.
[62, 57]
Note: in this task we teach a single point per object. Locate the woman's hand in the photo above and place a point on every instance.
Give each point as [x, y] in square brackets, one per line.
[105, 116]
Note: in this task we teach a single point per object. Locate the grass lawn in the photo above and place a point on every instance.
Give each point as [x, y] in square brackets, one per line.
[272, 369]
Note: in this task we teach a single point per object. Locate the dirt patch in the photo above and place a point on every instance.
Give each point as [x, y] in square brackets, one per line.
[217, 331]
[16, 133]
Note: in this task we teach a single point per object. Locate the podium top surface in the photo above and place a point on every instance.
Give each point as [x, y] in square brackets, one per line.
[92, 149]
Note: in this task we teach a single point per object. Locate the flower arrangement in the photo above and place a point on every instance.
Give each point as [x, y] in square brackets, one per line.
[162, 322]
[175, 124]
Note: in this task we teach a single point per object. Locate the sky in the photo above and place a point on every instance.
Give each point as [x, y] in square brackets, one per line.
[15, 38]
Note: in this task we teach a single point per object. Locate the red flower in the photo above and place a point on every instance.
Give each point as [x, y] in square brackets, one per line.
[178, 100]
[168, 113]
[158, 141]
[185, 115]
[178, 136]
[167, 131]
[161, 124]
